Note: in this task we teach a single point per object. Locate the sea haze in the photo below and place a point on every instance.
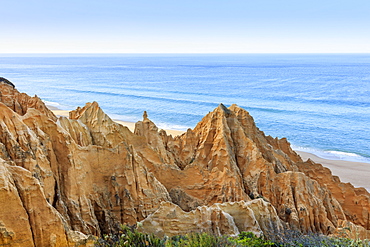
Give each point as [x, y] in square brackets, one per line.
[320, 102]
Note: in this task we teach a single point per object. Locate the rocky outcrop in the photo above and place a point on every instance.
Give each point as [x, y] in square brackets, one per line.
[355, 202]
[253, 166]
[26, 218]
[91, 187]
[204, 170]
[63, 180]
[21, 102]
[228, 218]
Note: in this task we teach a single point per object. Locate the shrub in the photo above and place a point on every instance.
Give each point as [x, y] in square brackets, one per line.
[200, 239]
[286, 238]
[294, 238]
[130, 237]
[249, 239]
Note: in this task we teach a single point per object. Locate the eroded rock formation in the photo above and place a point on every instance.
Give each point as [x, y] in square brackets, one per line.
[63, 180]
[228, 218]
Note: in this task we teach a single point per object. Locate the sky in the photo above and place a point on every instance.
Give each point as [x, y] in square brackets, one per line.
[186, 26]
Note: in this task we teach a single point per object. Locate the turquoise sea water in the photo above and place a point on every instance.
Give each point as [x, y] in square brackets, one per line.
[321, 103]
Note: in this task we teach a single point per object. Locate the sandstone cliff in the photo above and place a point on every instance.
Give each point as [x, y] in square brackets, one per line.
[65, 179]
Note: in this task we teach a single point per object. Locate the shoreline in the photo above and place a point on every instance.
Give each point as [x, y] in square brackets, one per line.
[356, 173]
[129, 125]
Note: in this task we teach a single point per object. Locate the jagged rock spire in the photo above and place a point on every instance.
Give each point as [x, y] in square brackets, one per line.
[145, 116]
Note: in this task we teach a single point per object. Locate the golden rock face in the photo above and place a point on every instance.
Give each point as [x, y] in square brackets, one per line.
[64, 179]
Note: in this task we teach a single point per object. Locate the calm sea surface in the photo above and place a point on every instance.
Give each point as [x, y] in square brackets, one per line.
[321, 103]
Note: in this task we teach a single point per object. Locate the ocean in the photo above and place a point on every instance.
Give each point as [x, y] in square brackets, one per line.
[320, 102]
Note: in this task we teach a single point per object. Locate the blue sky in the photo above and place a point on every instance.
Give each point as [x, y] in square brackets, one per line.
[203, 26]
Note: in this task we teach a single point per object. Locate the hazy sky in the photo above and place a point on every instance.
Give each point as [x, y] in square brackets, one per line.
[186, 26]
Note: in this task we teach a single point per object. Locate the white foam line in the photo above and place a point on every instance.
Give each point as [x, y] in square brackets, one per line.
[333, 155]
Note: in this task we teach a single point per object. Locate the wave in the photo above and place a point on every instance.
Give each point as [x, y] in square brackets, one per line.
[167, 126]
[124, 118]
[57, 105]
[160, 125]
[156, 98]
[334, 155]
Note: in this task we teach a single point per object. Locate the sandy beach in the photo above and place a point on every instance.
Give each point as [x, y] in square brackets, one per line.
[356, 173]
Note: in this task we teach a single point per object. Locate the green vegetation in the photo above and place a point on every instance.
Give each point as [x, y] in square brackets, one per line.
[131, 237]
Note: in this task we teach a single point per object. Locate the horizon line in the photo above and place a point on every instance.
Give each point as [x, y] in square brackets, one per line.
[179, 53]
